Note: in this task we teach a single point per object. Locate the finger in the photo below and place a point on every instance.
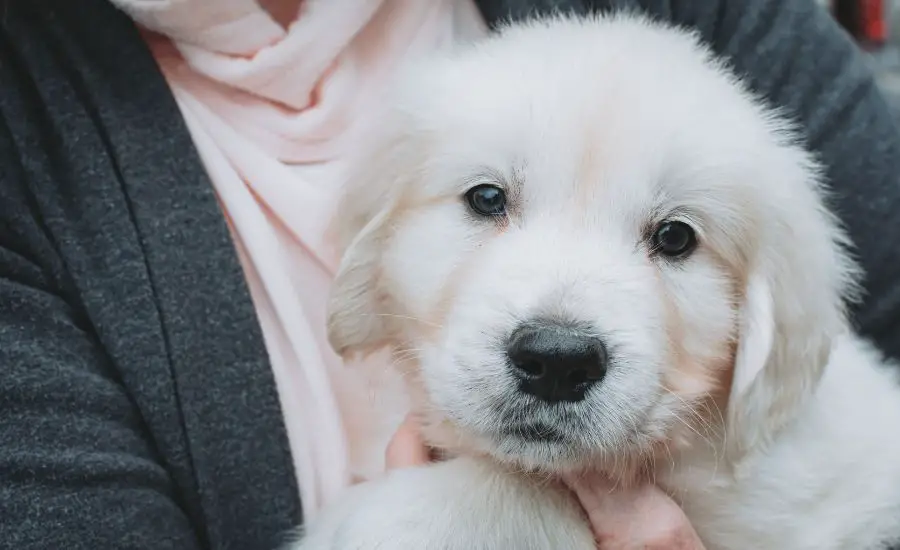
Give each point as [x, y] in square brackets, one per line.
[634, 517]
[596, 493]
[612, 511]
[406, 448]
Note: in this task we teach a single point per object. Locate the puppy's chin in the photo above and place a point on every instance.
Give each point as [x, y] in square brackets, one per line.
[545, 451]
[533, 448]
[626, 466]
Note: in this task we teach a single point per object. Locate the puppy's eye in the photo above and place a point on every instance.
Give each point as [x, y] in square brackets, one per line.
[673, 239]
[487, 200]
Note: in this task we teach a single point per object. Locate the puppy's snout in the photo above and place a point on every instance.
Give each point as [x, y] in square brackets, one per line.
[555, 362]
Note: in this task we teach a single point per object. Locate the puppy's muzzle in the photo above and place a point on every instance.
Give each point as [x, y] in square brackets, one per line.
[556, 362]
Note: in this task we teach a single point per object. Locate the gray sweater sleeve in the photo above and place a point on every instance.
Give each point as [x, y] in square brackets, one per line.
[77, 468]
[138, 409]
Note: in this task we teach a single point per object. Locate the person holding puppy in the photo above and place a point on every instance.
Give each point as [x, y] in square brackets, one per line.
[168, 173]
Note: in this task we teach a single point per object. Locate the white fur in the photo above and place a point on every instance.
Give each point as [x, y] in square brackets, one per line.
[599, 129]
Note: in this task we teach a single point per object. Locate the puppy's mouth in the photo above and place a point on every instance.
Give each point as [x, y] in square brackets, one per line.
[536, 446]
[552, 450]
[533, 433]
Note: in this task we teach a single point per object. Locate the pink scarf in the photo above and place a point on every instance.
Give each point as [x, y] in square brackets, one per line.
[270, 91]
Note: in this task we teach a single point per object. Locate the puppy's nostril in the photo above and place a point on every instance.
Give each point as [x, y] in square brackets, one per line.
[530, 367]
[577, 378]
[555, 362]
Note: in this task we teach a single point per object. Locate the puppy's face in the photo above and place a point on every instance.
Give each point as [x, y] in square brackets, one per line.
[562, 245]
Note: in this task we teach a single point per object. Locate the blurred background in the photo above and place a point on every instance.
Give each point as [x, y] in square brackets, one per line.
[875, 25]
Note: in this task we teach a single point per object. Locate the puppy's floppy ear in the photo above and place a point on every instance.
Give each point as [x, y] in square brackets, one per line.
[357, 322]
[793, 310]
[360, 312]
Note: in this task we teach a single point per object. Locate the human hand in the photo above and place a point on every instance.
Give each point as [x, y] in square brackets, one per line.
[406, 448]
[642, 517]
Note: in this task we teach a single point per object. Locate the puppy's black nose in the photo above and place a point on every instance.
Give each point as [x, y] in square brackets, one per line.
[555, 362]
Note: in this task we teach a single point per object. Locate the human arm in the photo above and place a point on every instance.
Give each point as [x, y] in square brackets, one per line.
[78, 469]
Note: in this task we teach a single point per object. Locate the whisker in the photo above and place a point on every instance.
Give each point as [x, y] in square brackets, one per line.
[404, 317]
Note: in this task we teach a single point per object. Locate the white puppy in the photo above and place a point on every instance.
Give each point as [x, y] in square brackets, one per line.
[601, 251]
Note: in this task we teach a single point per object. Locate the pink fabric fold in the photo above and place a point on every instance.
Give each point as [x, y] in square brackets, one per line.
[271, 90]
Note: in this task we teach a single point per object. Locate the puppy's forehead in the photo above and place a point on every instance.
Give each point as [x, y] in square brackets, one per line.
[620, 109]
